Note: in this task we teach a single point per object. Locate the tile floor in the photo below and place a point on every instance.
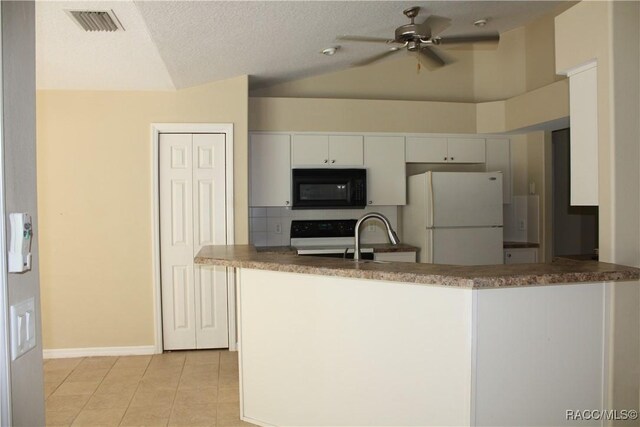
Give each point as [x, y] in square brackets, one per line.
[185, 388]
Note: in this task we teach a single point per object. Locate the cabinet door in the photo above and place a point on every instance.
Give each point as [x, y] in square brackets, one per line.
[386, 176]
[310, 150]
[499, 160]
[426, 150]
[521, 256]
[395, 256]
[583, 108]
[346, 150]
[466, 150]
[270, 170]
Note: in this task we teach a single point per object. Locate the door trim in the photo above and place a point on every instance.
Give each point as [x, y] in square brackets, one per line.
[5, 357]
[156, 130]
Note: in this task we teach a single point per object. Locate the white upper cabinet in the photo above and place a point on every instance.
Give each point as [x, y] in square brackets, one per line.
[384, 158]
[426, 150]
[270, 170]
[445, 150]
[583, 117]
[499, 160]
[466, 150]
[346, 150]
[310, 150]
[327, 150]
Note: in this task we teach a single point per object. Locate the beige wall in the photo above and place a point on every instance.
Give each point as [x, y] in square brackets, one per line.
[354, 115]
[394, 78]
[608, 32]
[95, 204]
[537, 158]
[540, 49]
[500, 73]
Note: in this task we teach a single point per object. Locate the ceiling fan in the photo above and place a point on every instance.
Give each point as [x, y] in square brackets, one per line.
[421, 39]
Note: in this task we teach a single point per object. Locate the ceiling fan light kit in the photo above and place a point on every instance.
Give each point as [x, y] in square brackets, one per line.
[422, 39]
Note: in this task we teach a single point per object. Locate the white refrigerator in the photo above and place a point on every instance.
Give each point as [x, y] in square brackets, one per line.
[455, 217]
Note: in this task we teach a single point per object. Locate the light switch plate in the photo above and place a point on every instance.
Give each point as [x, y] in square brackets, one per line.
[23, 327]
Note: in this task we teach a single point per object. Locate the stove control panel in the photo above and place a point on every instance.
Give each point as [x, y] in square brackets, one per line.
[323, 228]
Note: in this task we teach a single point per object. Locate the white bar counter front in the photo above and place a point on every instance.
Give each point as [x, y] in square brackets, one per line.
[324, 342]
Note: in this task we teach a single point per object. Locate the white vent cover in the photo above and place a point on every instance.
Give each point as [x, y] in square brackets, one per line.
[96, 20]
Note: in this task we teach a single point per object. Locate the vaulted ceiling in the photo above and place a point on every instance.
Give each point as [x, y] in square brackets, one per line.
[170, 45]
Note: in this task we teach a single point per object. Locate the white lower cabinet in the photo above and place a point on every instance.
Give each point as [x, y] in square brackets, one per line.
[521, 256]
[386, 170]
[395, 256]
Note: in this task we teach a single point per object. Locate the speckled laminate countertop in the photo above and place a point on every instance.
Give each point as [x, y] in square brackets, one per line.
[377, 248]
[470, 277]
[517, 245]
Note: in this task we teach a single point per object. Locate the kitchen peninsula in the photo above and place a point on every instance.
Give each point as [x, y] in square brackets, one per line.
[336, 342]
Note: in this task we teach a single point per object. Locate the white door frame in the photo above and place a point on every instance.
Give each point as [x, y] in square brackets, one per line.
[156, 130]
[5, 358]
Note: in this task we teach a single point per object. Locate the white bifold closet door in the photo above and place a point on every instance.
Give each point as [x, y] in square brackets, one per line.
[192, 214]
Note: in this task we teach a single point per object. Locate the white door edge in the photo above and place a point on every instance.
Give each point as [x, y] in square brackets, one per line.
[156, 130]
[5, 360]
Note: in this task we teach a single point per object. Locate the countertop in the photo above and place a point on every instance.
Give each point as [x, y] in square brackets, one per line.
[377, 248]
[470, 277]
[515, 245]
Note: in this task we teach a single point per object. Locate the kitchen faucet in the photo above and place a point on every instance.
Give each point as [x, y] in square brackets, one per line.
[393, 237]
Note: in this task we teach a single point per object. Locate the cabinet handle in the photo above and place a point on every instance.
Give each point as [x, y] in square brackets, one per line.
[333, 161]
[445, 158]
[326, 161]
[370, 202]
[508, 255]
[452, 158]
[286, 203]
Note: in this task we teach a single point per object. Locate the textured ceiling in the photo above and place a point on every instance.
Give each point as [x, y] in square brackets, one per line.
[67, 57]
[195, 42]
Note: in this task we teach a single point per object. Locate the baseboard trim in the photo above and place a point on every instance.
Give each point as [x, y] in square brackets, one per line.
[59, 353]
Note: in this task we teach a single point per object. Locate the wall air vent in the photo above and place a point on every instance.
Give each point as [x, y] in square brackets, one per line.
[96, 20]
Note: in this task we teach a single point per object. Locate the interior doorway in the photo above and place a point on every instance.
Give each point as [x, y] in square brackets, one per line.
[193, 207]
[575, 228]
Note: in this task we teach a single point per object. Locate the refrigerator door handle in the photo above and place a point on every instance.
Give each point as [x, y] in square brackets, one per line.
[431, 201]
[431, 248]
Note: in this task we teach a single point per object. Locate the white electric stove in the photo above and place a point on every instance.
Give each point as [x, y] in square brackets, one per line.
[328, 238]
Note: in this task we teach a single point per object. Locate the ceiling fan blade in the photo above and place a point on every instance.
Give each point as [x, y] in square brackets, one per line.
[364, 39]
[430, 59]
[375, 58]
[436, 24]
[492, 38]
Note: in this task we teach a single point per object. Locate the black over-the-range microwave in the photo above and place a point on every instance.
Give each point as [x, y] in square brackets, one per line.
[329, 188]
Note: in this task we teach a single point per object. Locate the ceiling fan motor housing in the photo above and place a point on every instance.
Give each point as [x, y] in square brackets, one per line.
[407, 32]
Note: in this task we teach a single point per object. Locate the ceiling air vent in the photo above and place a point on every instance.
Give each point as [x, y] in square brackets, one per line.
[94, 20]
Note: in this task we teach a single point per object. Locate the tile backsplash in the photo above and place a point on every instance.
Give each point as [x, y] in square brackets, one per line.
[271, 226]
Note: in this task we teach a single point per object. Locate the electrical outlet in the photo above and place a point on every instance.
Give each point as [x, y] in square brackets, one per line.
[278, 228]
[522, 225]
